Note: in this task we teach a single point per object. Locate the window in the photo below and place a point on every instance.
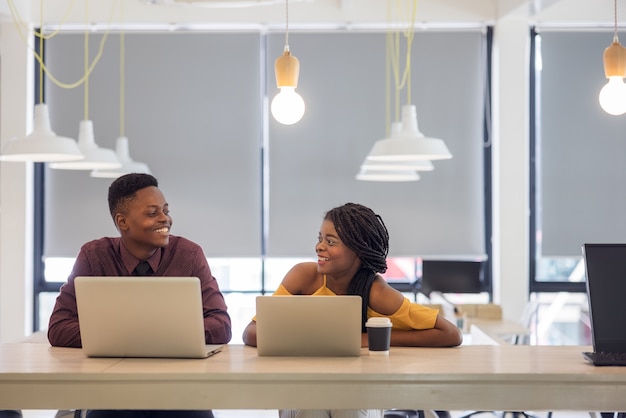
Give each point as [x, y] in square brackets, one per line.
[578, 170]
[577, 174]
[253, 192]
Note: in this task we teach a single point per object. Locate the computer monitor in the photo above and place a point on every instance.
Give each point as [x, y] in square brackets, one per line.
[452, 276]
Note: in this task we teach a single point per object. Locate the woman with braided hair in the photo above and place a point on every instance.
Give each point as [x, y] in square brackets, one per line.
[352, 248]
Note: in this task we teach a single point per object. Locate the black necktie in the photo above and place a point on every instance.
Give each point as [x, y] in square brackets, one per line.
[143, 269]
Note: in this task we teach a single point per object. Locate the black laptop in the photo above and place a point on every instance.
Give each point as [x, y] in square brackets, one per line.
[605, 266]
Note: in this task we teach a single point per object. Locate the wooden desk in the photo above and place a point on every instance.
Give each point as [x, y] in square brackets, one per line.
[506, 377]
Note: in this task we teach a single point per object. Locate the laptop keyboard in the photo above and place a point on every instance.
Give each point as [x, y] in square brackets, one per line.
[603, 358]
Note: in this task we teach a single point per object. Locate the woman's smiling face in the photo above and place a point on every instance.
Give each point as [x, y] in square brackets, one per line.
[333, 256]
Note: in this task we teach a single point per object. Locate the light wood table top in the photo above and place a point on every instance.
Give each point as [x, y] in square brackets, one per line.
[505, 377]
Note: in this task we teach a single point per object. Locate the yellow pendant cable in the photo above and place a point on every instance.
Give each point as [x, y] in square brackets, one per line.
[87, 72]
[22, 30]
[393, 53]
[388, 64]
[40, 51]
[122, 75]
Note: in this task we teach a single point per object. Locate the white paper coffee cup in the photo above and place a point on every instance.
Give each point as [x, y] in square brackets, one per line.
[378, 335]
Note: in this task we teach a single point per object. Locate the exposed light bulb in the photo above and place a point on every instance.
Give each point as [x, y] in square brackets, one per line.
[288, 106]
[613, 96]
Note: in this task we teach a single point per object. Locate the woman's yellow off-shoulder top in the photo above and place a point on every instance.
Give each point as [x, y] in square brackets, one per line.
[408, 316]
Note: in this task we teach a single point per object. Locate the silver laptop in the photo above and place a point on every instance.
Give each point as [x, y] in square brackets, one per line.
[325, 326]
[147, 316]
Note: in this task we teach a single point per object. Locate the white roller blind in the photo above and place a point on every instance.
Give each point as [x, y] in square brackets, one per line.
[581, 148]
[313, 163]
[193, 114]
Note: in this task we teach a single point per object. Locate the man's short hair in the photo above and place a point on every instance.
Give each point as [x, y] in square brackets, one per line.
[124, 189]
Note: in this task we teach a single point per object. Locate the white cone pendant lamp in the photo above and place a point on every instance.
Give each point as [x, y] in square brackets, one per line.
[417, 165]
[127, 163]
[406, 151]
[41, 145]
[410, 144]
[95, 156]
[387, 175]
[378, 170]
[381, 165]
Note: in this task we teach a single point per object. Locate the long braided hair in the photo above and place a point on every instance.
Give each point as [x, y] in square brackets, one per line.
[365, 233]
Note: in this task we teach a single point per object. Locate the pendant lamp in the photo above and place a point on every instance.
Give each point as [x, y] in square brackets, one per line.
[127, 164]
[95, 156]
[393, 170]
[406, 149]
[410, 144]
[387, 175]
[416, 165]
[42, 144]
[612, 97]
[288, 106]
[122, 152]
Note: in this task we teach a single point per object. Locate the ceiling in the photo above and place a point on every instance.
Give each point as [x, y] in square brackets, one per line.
[238, 14]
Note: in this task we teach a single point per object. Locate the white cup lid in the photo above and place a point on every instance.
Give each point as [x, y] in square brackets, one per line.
[378, 322]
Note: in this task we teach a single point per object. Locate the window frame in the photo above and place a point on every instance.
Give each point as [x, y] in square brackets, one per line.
[43, 286]
[536, 285]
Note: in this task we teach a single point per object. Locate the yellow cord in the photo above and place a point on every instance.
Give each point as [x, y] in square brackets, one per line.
[388, 63]
[39, 57]
[122, 75]
[19, 22]
[393, 48]
[393, 57]
[409, 46]
[41, 52]
[86, 91]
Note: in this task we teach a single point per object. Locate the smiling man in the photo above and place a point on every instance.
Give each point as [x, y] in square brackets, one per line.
[145, 247]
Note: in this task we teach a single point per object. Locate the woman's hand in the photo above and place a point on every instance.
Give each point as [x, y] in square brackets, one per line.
[249, 334]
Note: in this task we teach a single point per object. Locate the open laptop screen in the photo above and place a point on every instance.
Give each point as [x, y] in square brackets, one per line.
[325, 326]
[146, 316]
[605, 266]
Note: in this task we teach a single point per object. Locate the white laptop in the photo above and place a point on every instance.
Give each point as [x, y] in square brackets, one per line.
[325, 326]
[141, 316]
